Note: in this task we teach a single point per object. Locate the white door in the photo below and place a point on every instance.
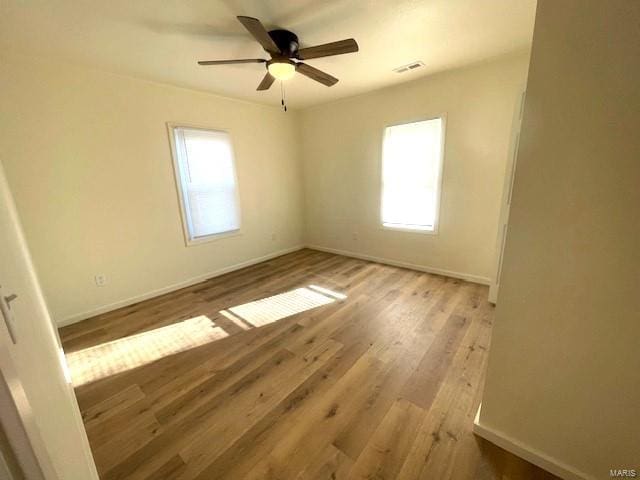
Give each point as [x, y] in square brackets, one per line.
[22, 452]
[33, 368]
[506, 199]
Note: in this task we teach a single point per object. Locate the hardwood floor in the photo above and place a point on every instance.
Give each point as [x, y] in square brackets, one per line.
[381, 384]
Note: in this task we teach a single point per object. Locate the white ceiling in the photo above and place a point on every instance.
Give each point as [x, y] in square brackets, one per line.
[161, 40]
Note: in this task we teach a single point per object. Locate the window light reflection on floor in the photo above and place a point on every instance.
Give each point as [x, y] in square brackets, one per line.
[271, 309]
[326, 291]
[127, 353]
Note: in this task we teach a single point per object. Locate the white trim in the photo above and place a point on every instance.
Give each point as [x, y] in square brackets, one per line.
[528, 453]
[421, 231]
[41, 325]
[505, 202]
[213, 237]
[184, 213]
[469, 277]
[436, 220]
[78, 317]
[176, 286]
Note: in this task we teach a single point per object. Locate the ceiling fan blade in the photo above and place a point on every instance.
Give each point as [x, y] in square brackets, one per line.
[328, 49]
[231, 62]
[255, 28]
[266, 82]
[315, 74]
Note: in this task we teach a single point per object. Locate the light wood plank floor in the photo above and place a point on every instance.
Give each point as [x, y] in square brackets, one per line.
[381, 384]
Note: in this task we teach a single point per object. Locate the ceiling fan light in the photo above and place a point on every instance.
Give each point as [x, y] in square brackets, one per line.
[281, 70]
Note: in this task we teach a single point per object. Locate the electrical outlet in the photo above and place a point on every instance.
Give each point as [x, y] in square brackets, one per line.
[354, 236]
[100, 279]
[273, 237]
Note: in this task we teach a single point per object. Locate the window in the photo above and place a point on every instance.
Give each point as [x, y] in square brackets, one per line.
[206, 177]
[411, 168]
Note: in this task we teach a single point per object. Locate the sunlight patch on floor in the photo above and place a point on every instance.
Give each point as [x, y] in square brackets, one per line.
[126, 353]
[235, 320]
[271, 309]
[326, 291]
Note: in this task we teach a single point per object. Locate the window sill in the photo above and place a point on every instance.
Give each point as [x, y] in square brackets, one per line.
[422, 231]
[211, 238]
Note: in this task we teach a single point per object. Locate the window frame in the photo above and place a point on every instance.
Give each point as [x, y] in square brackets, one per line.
[436, 223]
[189, 242]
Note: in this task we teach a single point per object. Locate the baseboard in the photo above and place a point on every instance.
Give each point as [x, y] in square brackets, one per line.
[422, 268]
[529, 454]
[200, 278]
[176, 286]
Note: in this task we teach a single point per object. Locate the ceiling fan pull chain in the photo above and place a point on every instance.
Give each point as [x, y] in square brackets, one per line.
[284, 105]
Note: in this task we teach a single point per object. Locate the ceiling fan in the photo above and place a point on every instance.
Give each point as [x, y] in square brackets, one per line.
[283, 47]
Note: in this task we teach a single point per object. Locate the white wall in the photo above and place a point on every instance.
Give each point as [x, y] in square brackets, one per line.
[88, 160]
[87, 156]
[564, 370]
[341, 153]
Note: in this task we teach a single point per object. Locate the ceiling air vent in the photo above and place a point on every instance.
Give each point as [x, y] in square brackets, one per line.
[410, 66]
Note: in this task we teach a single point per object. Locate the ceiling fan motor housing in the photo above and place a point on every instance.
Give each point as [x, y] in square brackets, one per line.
[284, 49]
[286, 41]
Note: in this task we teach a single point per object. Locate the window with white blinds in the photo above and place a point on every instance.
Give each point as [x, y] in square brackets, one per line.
[206, 177]
[411, 169]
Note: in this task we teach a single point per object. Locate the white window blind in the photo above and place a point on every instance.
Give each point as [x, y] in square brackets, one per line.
[204, 162]
[411, 166]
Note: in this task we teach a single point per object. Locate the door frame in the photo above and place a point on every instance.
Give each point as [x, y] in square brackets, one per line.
[507, 190]
[21, 447]
[26, 444]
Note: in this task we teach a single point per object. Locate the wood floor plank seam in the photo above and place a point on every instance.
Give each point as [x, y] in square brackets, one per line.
[380, 380]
